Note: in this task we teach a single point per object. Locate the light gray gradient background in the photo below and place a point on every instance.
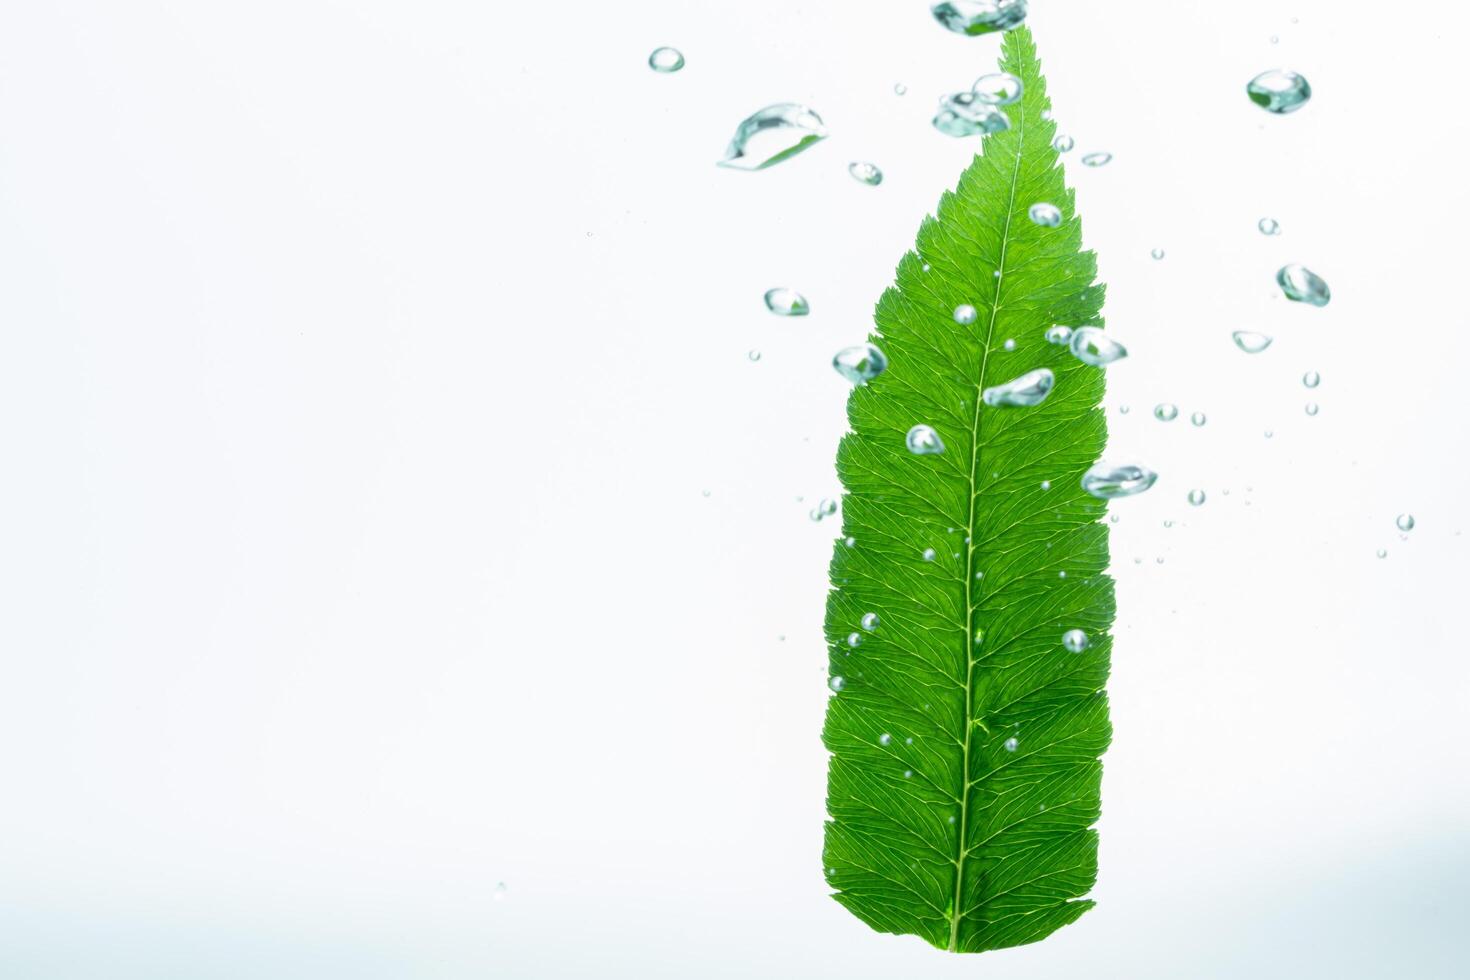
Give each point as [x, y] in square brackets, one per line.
[362, 365]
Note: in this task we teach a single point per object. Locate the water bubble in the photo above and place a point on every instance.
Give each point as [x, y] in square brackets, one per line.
[1122, 409]
[860, 364]
[1099, 159]
[500, 891]
[854, 639]
[1157, 254]
[865, 173]
[850, 542]
[1058, 334]
[1029, 389]
[1269, 226]
[869, 621]
[787, 302]
[965, 114]
[1269, 433]
[1382, 552]
[1107, 481]
[1011, 744]
[1311, 379]
[928, 554]
[1168, 524]
[1075, 641]
[1046, 484]
[1196, 497]
[975, 17]
[1311, 408]
[1091, 346]
[1010, 343]
[826, 507]
[1302, 285]
[1250, 341]
[1063, 143]
[1166, 411]
[666, 61]
[777, 132]
[908, 774]
[1404, 522]
[1197, 419]
[964, 313]
[837, 682]
[997, 88]
[1045, 214]
[1279, 91]
[924, 441]
[899, 88]
[753, 354]
[885, 738]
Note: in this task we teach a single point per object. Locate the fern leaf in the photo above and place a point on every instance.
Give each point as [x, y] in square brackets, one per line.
[964, 735]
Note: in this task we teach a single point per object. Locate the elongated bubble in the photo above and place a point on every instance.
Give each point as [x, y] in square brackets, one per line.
[865, 173]
[1279, 91]
[975, 17]
[1045, 214]
[777, 132]
[860, 363]
[1099, 159]
[1250, 341]
[1108, 481]
[1058, 334]
[997, 88]
[1091, 345]
[666, 61]
[924, 441]
[965, 114]
[1029, 389]
[1166, 411]
[786, 302]
[1302, 285]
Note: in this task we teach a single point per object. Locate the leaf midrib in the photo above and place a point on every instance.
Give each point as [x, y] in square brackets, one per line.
[967, 640]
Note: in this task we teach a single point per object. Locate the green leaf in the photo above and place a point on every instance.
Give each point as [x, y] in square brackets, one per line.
[937, 828]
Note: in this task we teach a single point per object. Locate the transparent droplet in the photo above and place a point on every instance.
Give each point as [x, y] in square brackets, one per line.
[928, 554]
[923, 441]
[975, 17]
[777, 132]
[1302, 285]
[1250, 341]
[860, 364]
[885, 738]
[1157, 254]
[1075, 641]
[1269, 226]
[1063, 143]
[997, 88]
[1197, 419]
[1091, 345]
[908, 774]
[1196, 497]
[1029, 389]
[1279, 91]
[1382, 552]
[1010, 344]
[854, 639]
[1011, 744]
[850, 542]
[964, 114]
[666, 60]
[869, 621]
[1311, 408]
[1098, 159]
[1058, 334]
[1045, 214]
[753, 354]
[1405, 522]
[1046, 484]
[837, 682]
[865, 173]
[1107, 481]
[826, 506]
[1166, 411]
[1269, 434]
[500, 892]
[964, 313]
[1311, 379]
[787, 302]
[899, 88]
[1122, 409]
[1168, 524]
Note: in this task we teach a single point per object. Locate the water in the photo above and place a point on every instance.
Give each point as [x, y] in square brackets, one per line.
[666, 61]
[854, 639]
[1029, 389]
[860, 363]
[1250, 341]
[1196, 497]
[1046, 214]
[753, 355]
[1075, 641]
[923, 441]
[975, 17]
[1091, 345]
[1312, 408]
[1198, 419]
[885, 739]
[869, 621]
[1010, 344]
[1311, 379]
[773, 134]
[786, 302]
[1108, 481]
[1404, 522]
[837, 682]
[964, 313]
[865, 173]
[1011, 744]
[1063, 143]
[1058, 334]
[997, 88]
[1166, 411]
[1156, 254]
[964, 114]
[1302, 285]
[1279, 91]
[1268, 226]
[928, 554]
[900, 88]
[1098, 159]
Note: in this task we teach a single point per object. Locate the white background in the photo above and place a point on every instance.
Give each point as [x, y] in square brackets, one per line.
[362, 368]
